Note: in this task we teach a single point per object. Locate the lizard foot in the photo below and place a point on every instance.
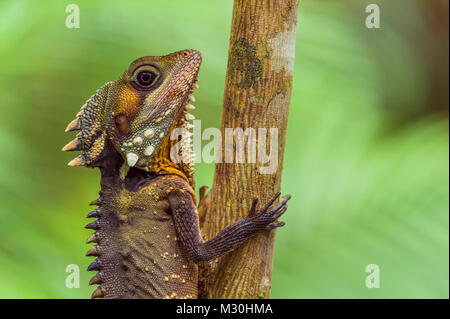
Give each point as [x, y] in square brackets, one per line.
[266, 217]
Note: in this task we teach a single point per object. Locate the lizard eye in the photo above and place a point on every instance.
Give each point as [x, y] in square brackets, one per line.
[145, 79]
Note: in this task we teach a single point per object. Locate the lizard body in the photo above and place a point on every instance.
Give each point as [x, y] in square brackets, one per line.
[147, 232]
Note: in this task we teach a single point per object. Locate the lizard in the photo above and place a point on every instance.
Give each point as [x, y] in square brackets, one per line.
[147, 234]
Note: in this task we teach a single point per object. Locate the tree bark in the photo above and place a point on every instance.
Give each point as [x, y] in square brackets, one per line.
[257, 95]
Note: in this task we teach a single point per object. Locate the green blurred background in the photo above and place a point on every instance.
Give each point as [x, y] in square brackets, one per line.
[366, 156]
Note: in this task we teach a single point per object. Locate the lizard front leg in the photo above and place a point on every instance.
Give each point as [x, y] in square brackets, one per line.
[185, 217]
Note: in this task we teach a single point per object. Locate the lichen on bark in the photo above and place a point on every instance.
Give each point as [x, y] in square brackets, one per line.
[243, 58]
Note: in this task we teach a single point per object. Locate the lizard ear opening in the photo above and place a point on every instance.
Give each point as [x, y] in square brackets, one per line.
[121, 122]
[91, 121]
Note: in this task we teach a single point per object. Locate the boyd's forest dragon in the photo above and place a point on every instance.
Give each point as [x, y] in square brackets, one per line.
[147, 235]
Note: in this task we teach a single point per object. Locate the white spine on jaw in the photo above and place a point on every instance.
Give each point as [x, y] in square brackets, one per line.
[149, 133]
[188, 155]
[132, 159]
[149, 150]
[186, 147]
[137, 140]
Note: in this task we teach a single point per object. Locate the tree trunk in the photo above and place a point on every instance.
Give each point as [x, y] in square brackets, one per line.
[257, 95]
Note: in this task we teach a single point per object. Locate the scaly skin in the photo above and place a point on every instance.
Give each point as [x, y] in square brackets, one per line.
[147, 231]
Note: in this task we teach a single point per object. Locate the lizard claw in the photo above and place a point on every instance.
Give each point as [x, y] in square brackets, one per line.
[276, 225]
[271, 201]
[203, 204]
[253, 208]
[202, 193]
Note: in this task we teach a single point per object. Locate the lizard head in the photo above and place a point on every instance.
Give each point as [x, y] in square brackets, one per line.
[138, 110]
[147, 101]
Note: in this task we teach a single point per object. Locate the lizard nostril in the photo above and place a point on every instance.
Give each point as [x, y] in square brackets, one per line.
[185, 53]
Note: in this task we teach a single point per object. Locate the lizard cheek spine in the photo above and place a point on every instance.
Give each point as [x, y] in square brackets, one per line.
[90, 121]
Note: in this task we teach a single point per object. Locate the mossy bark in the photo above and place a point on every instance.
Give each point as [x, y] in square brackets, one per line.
[257, 95]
